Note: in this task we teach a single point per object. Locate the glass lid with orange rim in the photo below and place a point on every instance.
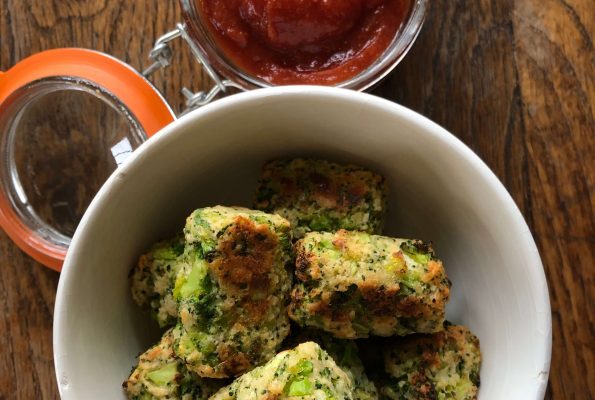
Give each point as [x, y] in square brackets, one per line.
[68, 118]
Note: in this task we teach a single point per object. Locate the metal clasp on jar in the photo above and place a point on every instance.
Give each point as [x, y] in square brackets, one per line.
[161, 56]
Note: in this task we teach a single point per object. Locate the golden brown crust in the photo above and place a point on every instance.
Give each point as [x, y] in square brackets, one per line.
[353, 284]
[327, 193]
[327, 309]
[303, 266]
[380, 300]
[238, 268]
[235, 362]
[244, 272]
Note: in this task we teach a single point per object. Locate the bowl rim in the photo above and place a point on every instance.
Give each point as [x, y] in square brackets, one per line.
[170, 132]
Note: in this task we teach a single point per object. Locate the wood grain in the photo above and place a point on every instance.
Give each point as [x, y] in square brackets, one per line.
[513, 79]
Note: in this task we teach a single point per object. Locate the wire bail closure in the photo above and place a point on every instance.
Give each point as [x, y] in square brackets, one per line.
[161, 55]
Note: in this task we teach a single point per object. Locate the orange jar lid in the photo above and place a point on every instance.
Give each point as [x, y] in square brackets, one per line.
[68, 118]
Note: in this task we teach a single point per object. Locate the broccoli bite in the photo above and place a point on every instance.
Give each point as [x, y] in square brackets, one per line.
[443, 365]
[317, 195]
[353, 284]
[160, 375]
[153, 279]
[233, 292]
[344, 352]
[306, 372]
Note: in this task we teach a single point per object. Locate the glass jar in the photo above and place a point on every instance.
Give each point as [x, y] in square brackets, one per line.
[404, 38]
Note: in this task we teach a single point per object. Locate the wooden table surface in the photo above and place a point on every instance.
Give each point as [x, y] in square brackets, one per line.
[513, 79]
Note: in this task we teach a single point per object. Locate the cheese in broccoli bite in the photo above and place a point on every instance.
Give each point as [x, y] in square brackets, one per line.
[160, 375]
[443, 365]
[153, 279]
[306, 372]
[317, 195]
[233, 292]
[353, 284]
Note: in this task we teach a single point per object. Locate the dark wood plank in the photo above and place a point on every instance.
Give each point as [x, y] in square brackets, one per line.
[27, 294]
[513, 79]
[554, 54]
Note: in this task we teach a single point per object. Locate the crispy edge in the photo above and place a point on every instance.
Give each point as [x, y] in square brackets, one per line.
[380, 301]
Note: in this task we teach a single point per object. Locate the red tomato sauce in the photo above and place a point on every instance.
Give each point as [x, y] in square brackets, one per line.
[303, 41]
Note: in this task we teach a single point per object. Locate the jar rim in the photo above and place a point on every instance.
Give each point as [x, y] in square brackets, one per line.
[18, 216]
[101, 73]
[379, 69]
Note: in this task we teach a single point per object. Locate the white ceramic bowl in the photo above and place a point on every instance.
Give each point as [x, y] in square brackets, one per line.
[440, 191]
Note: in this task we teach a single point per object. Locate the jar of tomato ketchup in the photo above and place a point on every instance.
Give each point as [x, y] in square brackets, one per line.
[249, 44]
